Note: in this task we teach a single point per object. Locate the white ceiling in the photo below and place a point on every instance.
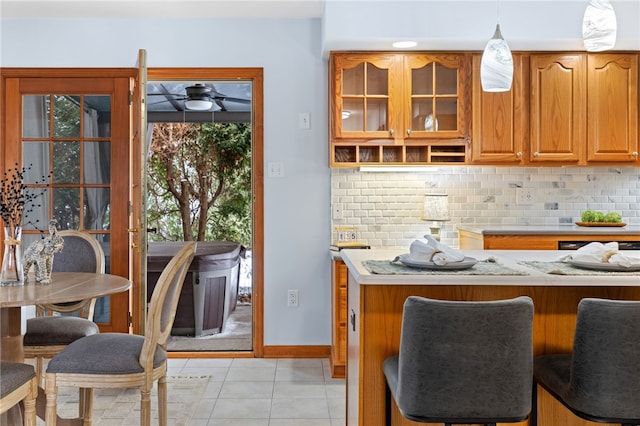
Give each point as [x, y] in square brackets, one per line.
[161, 8]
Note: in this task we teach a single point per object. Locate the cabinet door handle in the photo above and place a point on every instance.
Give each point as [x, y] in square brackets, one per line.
[519, 154]
[536, 154]
[391, 132]
[408, 131]
[352, 319]
[635, 153]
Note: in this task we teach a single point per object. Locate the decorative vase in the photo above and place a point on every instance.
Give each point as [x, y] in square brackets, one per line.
[12, 268]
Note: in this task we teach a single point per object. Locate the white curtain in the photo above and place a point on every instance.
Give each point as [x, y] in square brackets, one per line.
[97, 165]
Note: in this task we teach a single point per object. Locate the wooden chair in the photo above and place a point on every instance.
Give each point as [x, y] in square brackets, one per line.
[119, 360]
[18, 382]
[462, 362]
[599, 380]
[57, 325]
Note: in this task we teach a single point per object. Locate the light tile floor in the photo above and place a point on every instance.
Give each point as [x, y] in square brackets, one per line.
[266, 392]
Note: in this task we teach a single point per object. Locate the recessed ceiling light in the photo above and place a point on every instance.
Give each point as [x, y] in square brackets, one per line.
[405, 44]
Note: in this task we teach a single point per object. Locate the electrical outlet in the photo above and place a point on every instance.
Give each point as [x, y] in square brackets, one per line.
[292, 297]
[524, 196]
[336, 211]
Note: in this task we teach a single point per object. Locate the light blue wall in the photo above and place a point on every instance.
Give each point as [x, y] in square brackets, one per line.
[293, 54]
[295, 80]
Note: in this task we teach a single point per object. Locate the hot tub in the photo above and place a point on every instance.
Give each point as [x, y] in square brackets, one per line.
[210, 289]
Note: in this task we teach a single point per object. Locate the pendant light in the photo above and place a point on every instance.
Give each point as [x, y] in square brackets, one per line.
[599, 26]
[496, 66]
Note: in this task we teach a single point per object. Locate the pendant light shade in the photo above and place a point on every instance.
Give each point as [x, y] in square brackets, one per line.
[496, 66]
[599, 26]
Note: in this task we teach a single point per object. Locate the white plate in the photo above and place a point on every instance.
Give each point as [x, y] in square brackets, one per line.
[599, 266]
[467, 262]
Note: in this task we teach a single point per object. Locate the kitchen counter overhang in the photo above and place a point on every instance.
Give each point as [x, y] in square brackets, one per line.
[509, 258]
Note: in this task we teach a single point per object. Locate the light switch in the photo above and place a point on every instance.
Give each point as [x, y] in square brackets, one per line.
[304, 120]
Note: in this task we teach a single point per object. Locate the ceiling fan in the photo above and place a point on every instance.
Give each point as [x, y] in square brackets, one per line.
[198, 97]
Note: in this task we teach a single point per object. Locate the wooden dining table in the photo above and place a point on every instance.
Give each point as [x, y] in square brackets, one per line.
[64, 287]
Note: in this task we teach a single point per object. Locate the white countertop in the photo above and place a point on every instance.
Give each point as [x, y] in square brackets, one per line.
[510, 258]
[550, 230]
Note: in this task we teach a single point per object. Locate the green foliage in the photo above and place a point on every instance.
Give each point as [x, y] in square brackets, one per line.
[596, 216]
[199, 182]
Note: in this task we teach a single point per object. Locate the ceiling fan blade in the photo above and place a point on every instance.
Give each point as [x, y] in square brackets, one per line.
[236, 100]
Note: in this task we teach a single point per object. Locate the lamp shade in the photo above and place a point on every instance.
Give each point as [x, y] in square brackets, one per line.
[436, 207]
[496, 65]
[198, 104]
[599, 26]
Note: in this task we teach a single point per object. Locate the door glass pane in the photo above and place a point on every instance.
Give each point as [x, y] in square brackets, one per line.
[66, 207]
[97, 162]
[96, 208]
[66, 161]
[66, 117]
[37, 168]
[37, 215]
[35, 118]
[97, 121]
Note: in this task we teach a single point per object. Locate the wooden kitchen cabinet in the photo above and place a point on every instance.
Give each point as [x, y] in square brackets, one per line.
[584, 108]
[558, 107]
[500, 118]
[396, 109]
[612, 108]
[338, 360]
[475, 241]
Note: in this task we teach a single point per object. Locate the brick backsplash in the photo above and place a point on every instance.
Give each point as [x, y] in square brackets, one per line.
[386, 206]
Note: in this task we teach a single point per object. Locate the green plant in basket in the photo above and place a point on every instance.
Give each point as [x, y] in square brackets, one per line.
[596, 216]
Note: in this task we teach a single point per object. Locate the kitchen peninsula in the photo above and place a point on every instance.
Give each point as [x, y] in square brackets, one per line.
[375, 302]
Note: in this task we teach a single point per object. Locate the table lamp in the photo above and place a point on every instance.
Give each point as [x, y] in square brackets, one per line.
[436, 210]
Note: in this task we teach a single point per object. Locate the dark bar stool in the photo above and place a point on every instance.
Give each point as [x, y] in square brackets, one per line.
[463, 362]
[600, 380]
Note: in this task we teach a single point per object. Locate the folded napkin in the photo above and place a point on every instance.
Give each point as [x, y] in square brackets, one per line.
[605, 253]
[430, 250]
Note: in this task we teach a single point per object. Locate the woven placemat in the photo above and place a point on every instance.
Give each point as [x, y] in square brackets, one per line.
[483, 267]
[564, 268]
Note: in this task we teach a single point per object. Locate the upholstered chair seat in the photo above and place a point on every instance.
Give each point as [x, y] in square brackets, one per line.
[52, 331]
[96, 355]
[18, 382]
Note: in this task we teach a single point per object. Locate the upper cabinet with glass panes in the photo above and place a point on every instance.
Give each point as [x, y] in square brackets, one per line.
[395, 97]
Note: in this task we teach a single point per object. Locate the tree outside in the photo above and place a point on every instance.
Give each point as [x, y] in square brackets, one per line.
[199, 182]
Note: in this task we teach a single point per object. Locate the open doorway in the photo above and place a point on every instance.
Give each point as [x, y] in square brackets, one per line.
[201, 104]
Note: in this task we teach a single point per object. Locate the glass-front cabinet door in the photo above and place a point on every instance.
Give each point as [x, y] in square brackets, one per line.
[436, 101]
[364, 99]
